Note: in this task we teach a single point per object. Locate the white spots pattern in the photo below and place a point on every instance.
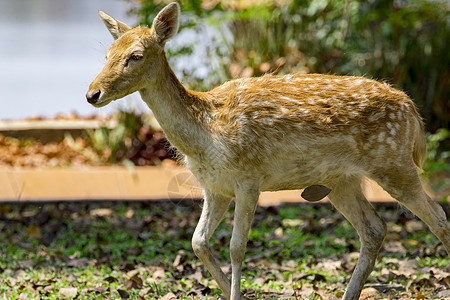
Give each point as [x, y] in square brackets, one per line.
[288, 78]
[390, 141]
[299, 103]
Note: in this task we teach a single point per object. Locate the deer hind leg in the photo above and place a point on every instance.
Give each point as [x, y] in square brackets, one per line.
[348, 198]
[214, 209]
[404, 185]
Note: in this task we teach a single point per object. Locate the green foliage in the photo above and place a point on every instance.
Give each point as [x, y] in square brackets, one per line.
[437, 163]
[110, 144]
[132, 141]
[437, 160]
[106, 250]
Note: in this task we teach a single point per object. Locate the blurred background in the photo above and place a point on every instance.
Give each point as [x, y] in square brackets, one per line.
[50, 51]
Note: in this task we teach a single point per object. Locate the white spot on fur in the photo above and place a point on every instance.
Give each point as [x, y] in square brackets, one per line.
[381, 136]
[392, 91]
[288, 98]
[392, 116]
[304, 111]
[267, 121]
[367, 146]
[242, 86]
[288, 78]
[358, 81]
[376, 116]
[362, 105]
[284, 110]
[391, 143]
[353, 114]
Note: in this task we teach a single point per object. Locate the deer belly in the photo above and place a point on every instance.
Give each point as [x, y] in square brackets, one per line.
[299, 174]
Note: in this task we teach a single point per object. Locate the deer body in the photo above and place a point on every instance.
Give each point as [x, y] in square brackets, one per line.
[288, 131]
[275, 133]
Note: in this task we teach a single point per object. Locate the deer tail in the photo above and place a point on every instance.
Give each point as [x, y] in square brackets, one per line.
[420, 142]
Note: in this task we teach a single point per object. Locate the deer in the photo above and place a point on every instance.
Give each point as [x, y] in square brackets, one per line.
[324, 133]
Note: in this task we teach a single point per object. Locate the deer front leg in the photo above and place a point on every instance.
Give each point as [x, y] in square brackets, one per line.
[214, 209]
[246, 202]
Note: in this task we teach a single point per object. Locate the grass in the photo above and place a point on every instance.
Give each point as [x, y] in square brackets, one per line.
[141, 250]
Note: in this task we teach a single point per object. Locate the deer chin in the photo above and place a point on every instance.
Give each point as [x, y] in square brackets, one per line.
[102, 103]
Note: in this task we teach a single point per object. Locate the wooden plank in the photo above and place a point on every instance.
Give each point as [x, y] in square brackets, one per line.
[126, 184]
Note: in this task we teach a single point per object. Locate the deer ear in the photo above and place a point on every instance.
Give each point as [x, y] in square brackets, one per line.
[165, 24]
[115, 27]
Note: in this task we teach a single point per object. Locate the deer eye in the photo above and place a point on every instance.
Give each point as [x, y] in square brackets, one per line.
[136, 56]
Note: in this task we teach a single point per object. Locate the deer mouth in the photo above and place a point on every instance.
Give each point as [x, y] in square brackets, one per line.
[101, 103]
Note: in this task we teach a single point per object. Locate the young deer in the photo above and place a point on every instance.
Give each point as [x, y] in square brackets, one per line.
[275, 133]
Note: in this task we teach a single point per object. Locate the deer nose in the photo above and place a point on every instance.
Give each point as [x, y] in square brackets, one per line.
[93, 96]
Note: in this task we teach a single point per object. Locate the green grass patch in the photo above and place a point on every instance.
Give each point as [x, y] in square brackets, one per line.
[143, 251]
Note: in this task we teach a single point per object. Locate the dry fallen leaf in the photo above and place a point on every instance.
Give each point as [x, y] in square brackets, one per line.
[34, 231]
[68, 292]
[197, 276]
[444, 294]
[78, 262]
[101, 212]
[368, 292]
[420, 296]
[134, 283]
[123, 294]
[394, 247]
[169, 296]
[414, 226]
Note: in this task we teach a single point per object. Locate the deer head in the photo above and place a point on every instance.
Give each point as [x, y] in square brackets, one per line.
[136, 57]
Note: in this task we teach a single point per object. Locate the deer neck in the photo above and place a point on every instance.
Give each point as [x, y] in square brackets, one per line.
[174, 108]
